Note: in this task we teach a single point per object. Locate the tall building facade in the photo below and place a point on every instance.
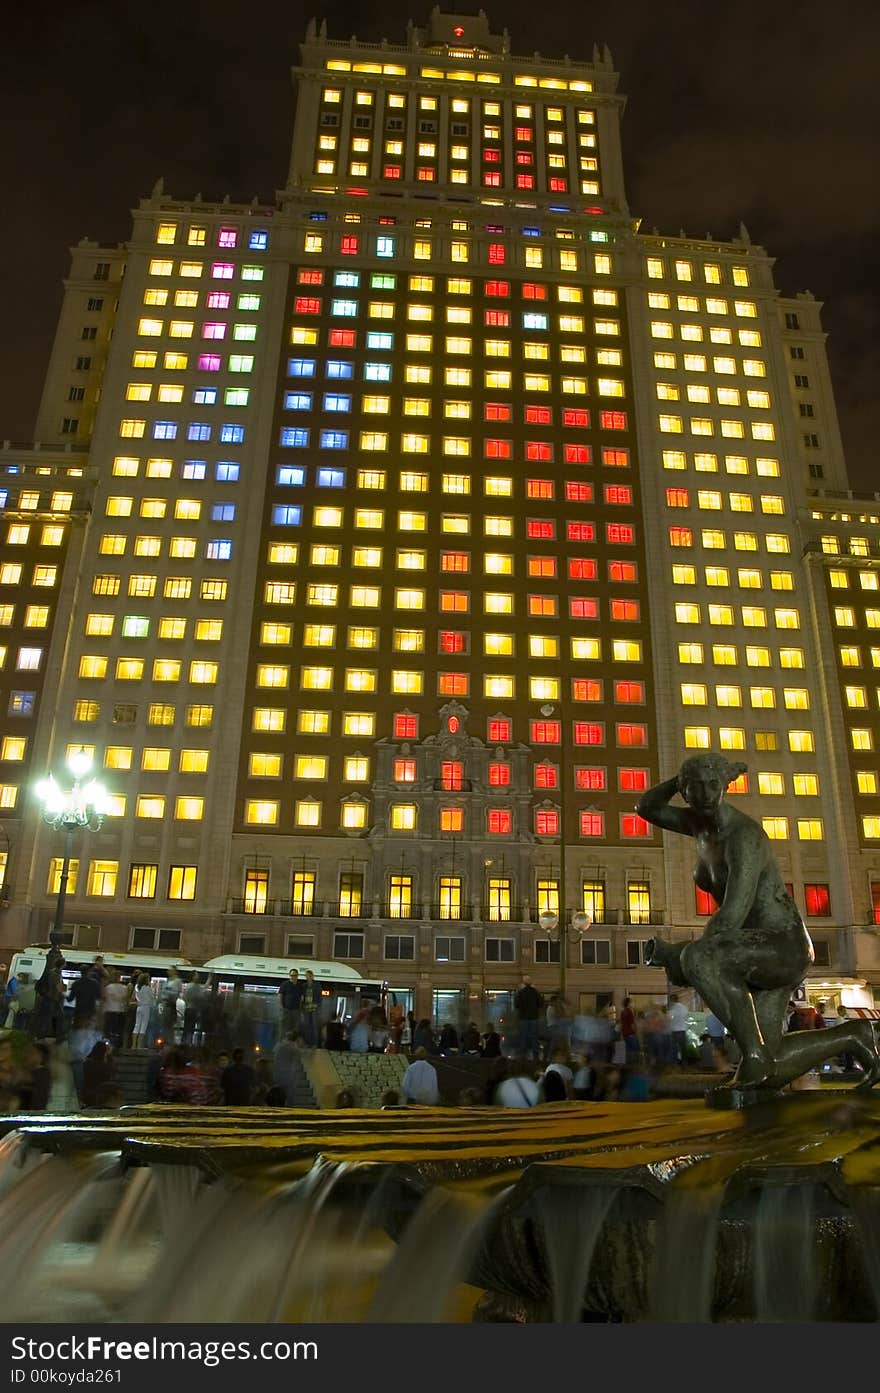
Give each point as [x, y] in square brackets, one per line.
[420, 521]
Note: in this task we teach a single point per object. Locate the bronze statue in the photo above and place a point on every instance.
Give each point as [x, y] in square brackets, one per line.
[755, 949]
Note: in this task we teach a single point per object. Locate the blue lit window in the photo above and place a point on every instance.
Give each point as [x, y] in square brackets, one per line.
[205, 396]
[290, 474]
[193, 469]
[331, 478]
[333, 401]
[300, 367]
[336, 369]
[286, 515]
[531, 231]
[349, 279]
[347, 309]
[223, 512]
[377, 372]
[220, 549]
[535, 321]
[4, 494]
[198, 430]
[294, 435]
[317, 217]
[258, 240]
[334, 439]
[384, 246]
[226, 471]
[165, 430]
[383, 342]
[22, 703]
[231, 435]
[297, 401]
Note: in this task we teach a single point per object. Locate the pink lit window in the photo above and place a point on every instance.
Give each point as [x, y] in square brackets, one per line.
[307, 304]
[547, 822]
[583, 607]
[392, 171]
[525, 181]
[632, 780]
[557, 185]
[589, 733]
[497, 253]
[581, 532]
[491, 180]
[618, 493]
[227, 237]
[524, 157]
[426, 175]
[586, 689]
[492, 156]
[592, 824]
[621, 533]
[309, 275]
[497, 319]
[349, 245]
[209, 362]
[546, 776]
[628, 735]
[577, 454]
[498, 731]
[222, 270]
[405, 727]
[499, 775]
[341, 338]
[213, 331]
[612, 420]
[545, 732]
[499, 821]
[452, 641]
[625, 609]
[218, 300]
[582, 568]
[631, 825]
[616, 459]
[626, 692]
[622, 571]
[590, 778]
[579, 493]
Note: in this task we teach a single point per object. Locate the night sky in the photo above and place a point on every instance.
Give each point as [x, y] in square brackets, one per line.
[765, 113]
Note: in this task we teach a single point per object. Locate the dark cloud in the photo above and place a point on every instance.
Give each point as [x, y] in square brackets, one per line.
[765, 113]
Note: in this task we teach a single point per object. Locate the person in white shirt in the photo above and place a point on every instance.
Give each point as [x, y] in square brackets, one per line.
[561, 1086]
[679, 1017]
[420, 1080]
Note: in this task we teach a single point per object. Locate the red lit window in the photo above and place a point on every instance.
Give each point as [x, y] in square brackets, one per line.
[342, 338]
[497, 253]
[547, 822]
[498, 731]
[875, 900]
[583, 607]
[546, 776]
[426, 175]
[704, 902]
[452, 641]
[307, 304]
[625, 609]
[392, 171]
[631, 825]
[579, 493]
[575, 416]
[581, 531]
[405, 727]
[576, 454]
[454, 602]
[541, 527]
[538, 416]
[538, 449]
[452, 684]
[632, 780]
[499, 775]
[678, 498]
[501, 288]
[542, 566]
[404, 771]
[612, 420]
[499, 821]
[592, 824]
[621, 532]
[681, 537]
[629, 692]
[349, 245]
[497, 449]
[616, 459]
[589, 777]
[523, 133]
[451, 774]
[622, 571]
[532, 291]
[539, 488]
[632, 735]
[497, 319]
[524, 157]
[497, 411]
[618, 493]
[542, 606]
[586, 689]
[589, 733]
[492, 156]
[455, 561]
[492, 180]
[818, 900]
[557, 185]
[525, 181]
[309, 275]
[545, 732]
[582, 568]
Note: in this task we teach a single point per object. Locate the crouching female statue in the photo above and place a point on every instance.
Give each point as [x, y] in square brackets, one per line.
[755, 949]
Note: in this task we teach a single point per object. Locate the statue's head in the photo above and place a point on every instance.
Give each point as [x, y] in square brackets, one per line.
[703, 780]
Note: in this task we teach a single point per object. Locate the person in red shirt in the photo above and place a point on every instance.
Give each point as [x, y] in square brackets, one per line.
[628, 1030]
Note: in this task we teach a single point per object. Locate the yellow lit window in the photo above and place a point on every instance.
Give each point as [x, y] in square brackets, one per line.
[586, 649]
[261, 811]
[358, 723]
[687, 613]
[802, 742]
[728, 696]
[725, 654]
[776, 828]
[356, 769]
[626, 650]
[690, 653]
[315, 679]
[694, 694]
[811, 829]
[696, 737]
[731, 738]
[272, 675]
[150, 805]
[402, 817]
[310, 767]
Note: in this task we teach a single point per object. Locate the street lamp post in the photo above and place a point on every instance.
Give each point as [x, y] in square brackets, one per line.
[73, 810]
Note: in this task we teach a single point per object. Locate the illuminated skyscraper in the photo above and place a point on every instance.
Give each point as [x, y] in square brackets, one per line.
[436, 510]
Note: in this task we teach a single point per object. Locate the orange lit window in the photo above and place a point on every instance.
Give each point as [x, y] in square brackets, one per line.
[632, 735]
[622, 533]
[586, 689]
[582, 568]
[452, 684]
[342, 338]
[543, 606]
[308, 275]
[458, 561]
[538, 449]
[543, 566]
[678, 498]
[612, 420]
[622, 570]
[531, 291]
[539, 488]
[615, 458]
[404, 771]
[499, 775]
[681, 537]
[451, 819]
[453, 602]
[625, 609]
[629, 691]
[497, 411]
[497, 449]
[575, 416]
[579, 493]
